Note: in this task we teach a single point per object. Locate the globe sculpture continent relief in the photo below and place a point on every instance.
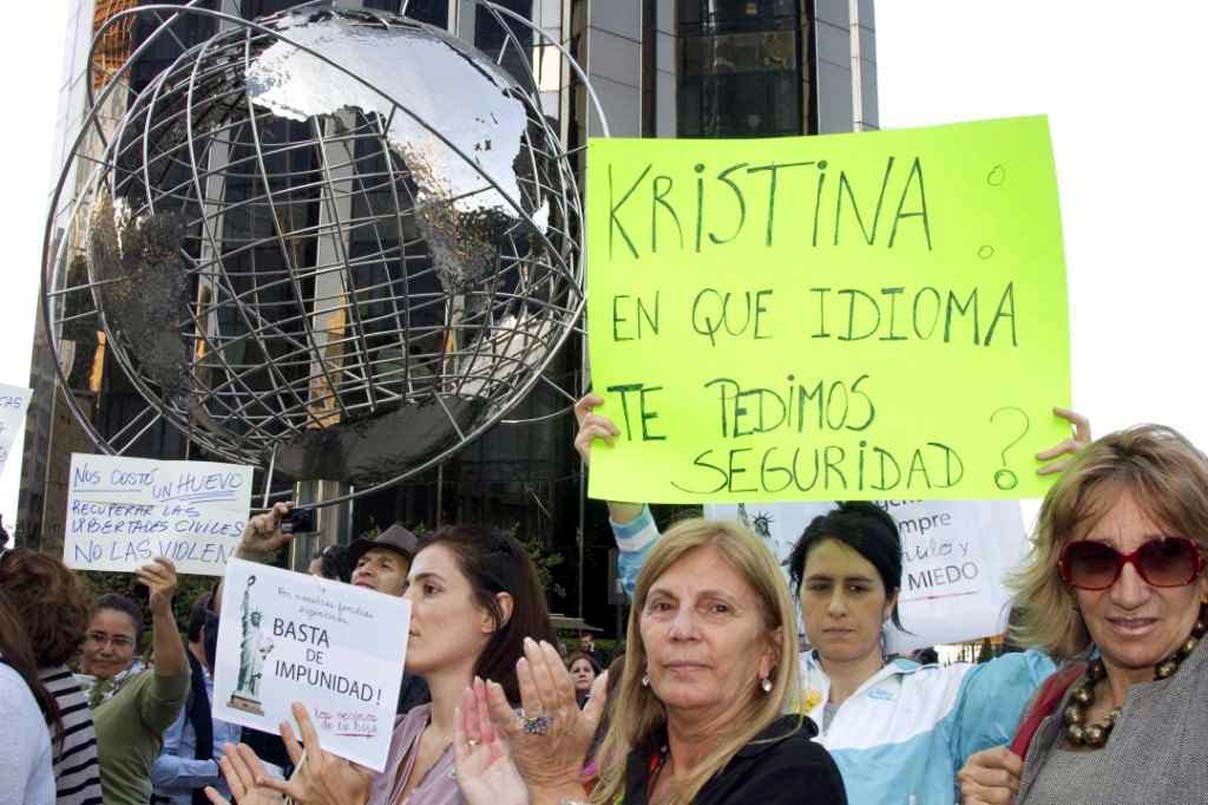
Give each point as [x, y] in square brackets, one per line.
[340, 242]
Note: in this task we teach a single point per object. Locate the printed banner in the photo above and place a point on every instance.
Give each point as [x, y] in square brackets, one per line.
[874, 315]
[955, 557]
[14, 402]
[122, 512]
[289, 637]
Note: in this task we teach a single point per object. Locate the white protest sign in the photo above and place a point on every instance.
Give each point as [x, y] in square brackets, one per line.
[955, 555]
[14, 402]
[122, 512]
[289, 637]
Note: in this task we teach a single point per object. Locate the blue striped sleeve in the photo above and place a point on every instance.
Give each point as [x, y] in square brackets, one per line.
[634, 540]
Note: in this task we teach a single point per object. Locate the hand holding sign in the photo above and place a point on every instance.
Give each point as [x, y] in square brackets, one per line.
[160, 578]
[592, 426]
[321, 778]
[1061, 454]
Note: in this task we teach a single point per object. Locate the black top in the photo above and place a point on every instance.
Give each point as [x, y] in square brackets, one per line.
[780, 766]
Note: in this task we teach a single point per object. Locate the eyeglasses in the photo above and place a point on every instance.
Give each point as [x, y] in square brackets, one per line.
[117, 641]
[1164, 562]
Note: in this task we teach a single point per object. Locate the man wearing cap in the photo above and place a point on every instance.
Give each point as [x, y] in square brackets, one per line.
[382, 564]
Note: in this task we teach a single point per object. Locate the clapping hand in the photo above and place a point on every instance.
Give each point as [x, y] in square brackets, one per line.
[550, 736]
[486, 773]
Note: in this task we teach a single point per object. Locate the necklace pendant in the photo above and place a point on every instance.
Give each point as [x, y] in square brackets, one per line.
[1095, 735]
[1075, 734]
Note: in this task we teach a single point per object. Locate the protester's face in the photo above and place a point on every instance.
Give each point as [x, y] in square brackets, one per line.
[843, 602]
[1136, 625]
[448, 628]
[587, 643]
[705, 635]
[582, 674]
[108, 644]
[383, 570]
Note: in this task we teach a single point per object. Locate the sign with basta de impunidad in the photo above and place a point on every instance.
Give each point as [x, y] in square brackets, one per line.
[290, 637]
[123, 512]
[873, 316]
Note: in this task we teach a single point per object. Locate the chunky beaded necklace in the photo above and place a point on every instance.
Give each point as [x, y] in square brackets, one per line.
[1093, 736]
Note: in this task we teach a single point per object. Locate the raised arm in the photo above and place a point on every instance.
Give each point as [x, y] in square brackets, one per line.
[594, 426]
[633, 526]
[160, 578]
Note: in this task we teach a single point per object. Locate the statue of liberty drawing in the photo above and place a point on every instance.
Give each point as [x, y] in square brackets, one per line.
[253, 648]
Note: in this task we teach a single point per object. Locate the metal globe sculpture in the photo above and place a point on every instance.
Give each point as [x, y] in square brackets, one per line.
[338, 242]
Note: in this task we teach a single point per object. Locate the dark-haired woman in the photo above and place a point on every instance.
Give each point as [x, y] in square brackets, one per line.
[474, 598]
[898, 731]
[25, 710]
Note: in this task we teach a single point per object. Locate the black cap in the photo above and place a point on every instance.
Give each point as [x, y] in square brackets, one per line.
[395, 538]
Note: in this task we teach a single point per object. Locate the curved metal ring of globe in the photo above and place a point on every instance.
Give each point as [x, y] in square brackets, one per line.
[343, 243]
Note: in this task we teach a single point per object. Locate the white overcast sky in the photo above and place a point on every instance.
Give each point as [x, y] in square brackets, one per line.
[1122, 83]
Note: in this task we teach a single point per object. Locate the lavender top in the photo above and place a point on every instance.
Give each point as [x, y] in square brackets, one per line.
[439, 786]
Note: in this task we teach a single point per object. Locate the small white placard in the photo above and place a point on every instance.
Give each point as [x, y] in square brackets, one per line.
[123, 512]
[289, 637]
[955, 555]
[14, 402]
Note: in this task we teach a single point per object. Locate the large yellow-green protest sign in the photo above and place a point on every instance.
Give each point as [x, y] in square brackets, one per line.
[875, 315]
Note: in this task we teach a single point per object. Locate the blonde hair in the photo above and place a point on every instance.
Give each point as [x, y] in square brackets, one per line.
[637, 714]
[1168, 478]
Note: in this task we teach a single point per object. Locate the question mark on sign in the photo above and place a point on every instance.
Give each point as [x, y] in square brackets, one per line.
[1004, 478]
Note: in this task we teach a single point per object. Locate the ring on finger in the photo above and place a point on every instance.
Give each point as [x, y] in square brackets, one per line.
[535, 725]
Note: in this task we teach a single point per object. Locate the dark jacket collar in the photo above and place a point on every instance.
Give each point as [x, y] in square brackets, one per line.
[638, 765]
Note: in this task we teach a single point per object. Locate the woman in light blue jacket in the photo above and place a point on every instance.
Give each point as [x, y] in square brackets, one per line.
[898, 731]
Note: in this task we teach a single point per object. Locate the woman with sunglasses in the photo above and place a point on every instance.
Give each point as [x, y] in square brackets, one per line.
[1116, 588]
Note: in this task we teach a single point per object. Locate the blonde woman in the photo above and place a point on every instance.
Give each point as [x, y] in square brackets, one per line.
[698, 716]
[1116, 587]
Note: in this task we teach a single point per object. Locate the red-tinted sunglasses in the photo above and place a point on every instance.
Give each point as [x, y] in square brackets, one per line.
[1164, 562]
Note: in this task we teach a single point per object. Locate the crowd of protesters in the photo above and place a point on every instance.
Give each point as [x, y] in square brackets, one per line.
[710, 701]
